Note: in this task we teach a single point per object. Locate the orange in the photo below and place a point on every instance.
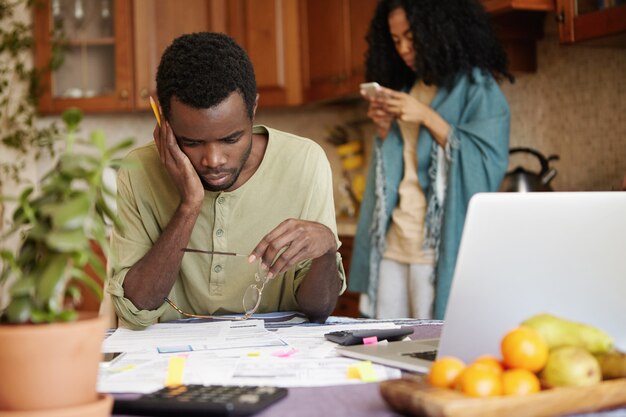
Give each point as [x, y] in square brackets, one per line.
[519, 382]
[444, 371]
[524, 348]
[479, 381]
[490, 362]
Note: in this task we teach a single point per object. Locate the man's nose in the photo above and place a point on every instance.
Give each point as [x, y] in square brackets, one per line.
[213, 157]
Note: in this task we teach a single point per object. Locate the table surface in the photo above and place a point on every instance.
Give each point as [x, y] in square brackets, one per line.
[363, 400]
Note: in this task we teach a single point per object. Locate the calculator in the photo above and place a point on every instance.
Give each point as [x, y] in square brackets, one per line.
[201, 400]
[355, 337]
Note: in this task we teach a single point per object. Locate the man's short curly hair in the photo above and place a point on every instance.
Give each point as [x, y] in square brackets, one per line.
[202, 69]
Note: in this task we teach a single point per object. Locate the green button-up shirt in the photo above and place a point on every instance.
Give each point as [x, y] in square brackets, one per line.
[294, 180]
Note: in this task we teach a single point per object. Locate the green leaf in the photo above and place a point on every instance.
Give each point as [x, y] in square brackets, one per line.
[67, 240]
[52, 282]
[41, 316]
[96, 263]
[23, 287]
[98, 139]
[120, 146]
[66, 315]
[93, 286]
[72, 118]
[70, 214]
[74, 293]
[19, 311]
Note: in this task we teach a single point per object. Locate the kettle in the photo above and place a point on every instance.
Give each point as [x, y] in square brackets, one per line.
[522, 180]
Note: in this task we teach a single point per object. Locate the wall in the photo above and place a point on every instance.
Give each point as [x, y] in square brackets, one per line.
[574, 107]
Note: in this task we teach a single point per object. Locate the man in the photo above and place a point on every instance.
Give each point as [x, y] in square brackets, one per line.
[212, 181]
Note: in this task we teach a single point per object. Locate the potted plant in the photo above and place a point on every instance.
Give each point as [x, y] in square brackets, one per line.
[50, 352]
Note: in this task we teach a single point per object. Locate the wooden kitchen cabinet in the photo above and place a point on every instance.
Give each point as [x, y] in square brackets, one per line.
[270, 32]
[302, 50]
[96, 74]
[155, 25]
[581, 20]
[348, 302]
[334, 46]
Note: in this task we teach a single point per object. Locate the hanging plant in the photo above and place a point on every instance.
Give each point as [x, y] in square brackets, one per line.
[22, 139]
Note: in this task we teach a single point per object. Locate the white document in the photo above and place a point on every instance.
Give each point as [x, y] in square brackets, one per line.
[232, 353]
[188, 337]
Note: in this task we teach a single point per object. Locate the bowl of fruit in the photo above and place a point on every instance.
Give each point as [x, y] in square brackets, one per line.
[548, 366]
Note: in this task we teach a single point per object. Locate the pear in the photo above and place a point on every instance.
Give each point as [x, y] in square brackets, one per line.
[612, 364]
[570, 366]
[560, 332]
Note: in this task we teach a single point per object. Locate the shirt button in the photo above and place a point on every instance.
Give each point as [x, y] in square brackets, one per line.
[217, 268]
[219, 232]
[221, 200]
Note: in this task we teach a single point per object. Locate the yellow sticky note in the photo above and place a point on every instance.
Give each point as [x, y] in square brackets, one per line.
[366, 371]
[155, 110]
[124, 368]
[175, 371]
[353, 372]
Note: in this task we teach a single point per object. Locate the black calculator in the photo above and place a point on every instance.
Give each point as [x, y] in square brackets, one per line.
[201, 400]
[355, 337]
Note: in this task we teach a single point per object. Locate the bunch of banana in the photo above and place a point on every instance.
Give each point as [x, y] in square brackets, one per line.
[580, 354]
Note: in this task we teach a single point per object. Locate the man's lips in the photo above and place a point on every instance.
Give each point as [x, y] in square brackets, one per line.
[216, 178]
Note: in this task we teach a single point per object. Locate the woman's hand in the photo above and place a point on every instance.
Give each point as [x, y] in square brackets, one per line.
[376, 111]
[179, 167]
[404, 107]
[410, 110]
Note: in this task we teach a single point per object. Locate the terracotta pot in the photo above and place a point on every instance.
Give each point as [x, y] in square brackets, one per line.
[48, 366]
[100, 408]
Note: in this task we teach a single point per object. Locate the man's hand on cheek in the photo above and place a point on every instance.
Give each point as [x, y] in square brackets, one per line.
[178, 166]
[295, 240]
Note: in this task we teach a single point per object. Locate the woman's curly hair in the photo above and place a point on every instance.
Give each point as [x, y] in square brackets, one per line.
[450, 37]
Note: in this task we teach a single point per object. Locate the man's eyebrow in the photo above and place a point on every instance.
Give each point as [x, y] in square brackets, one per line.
[227, 137]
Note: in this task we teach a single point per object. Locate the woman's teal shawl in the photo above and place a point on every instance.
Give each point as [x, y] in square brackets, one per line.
[477, 158]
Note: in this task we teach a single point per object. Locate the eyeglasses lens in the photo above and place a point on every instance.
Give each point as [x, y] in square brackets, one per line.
[252, 296]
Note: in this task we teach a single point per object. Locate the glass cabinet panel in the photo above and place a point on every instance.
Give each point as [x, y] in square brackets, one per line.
[85, 31]
[590, 6]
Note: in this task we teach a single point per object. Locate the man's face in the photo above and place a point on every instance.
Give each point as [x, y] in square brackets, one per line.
[217, 141]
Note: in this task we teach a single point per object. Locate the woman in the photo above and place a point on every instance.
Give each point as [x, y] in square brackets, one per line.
[442, 135]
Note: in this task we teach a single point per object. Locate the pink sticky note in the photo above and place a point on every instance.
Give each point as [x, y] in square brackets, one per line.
[284, 353]
[370, 340]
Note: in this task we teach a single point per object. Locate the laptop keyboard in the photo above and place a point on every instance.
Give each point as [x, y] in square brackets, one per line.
[429, 355]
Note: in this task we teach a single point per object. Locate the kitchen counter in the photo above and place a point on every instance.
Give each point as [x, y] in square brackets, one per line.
[346, 226]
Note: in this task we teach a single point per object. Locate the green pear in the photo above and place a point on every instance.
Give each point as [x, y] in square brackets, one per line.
[570, 366]
[612, 364]
[560, 332]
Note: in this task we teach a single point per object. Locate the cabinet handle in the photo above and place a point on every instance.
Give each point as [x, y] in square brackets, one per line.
[560, 18]
[124, 94]
[144, 93]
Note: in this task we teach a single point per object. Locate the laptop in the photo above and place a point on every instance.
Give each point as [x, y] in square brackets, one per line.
[522, 254]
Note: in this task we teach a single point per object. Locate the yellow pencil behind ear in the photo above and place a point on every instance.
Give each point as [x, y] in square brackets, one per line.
[155, 110]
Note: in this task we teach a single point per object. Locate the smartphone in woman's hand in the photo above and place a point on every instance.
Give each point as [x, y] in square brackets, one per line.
[372, 90]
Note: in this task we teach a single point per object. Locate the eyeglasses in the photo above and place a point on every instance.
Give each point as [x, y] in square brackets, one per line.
[251, 298]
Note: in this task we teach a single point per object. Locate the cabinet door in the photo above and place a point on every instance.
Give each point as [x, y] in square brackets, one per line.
[581, 20]
[269, 31]
[96, 74]
[156, 24]
[335, 45]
